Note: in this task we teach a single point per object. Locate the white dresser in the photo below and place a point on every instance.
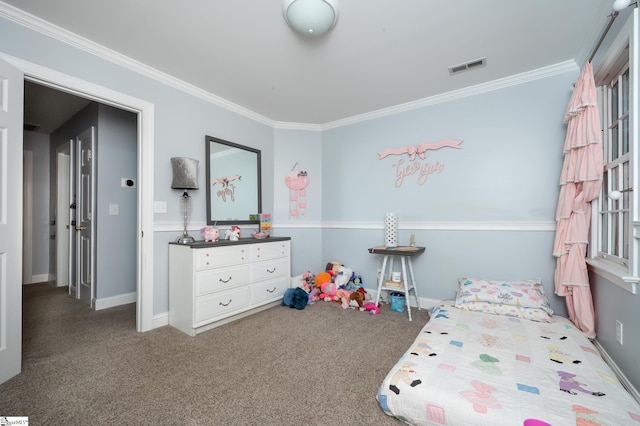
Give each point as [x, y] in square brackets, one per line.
[211, 284]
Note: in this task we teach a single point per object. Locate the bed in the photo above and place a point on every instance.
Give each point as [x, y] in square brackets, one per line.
[496, 355]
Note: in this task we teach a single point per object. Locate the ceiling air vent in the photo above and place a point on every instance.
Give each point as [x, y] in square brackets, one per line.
[477, 63]
[31, 127]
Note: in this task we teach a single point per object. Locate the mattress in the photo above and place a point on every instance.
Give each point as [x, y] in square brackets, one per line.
[474, 368]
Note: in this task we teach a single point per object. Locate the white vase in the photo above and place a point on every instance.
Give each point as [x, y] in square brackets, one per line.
[391, 229]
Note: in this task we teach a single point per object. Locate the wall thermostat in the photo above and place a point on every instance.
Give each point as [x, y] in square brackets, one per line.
[128, 183]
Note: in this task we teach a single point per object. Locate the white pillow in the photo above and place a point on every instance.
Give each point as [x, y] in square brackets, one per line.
[523, 299]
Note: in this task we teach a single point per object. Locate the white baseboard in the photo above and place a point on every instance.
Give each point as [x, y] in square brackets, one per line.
[161, 320]
[425, 303]
[110, 302]
[623, 379]
[42, 278]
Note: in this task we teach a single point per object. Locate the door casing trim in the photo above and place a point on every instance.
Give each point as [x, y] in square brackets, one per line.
[145, 112]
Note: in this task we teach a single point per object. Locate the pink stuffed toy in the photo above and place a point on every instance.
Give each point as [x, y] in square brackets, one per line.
[329, 290]
[343, 296]
[210, 234]
[372, 308]
[232, 234]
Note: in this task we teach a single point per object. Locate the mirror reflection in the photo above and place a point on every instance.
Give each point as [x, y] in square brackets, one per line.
[234, 184]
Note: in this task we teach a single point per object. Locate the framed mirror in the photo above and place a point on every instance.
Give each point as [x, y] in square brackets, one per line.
[234, 187]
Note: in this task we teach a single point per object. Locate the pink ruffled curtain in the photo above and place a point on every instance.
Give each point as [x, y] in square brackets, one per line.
[580, 182]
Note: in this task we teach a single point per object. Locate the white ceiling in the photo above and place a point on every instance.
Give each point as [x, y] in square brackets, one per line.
[380, 54]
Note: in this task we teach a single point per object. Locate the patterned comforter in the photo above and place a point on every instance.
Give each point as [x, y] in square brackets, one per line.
[472, 368]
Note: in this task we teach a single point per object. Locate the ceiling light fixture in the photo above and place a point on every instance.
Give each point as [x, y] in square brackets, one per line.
[311, 18]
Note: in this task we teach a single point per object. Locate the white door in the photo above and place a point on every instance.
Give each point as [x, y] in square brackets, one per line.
[71, 252]
[63, 221]
[84, 215]
[11, 109]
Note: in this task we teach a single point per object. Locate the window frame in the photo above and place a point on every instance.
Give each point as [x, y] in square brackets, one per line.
[616, 212]
[622, 53]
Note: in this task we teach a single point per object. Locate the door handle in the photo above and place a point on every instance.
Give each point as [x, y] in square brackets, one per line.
[80, 228]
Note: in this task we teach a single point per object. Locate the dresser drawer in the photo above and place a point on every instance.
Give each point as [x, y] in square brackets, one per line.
[266, 251]
[217, 257]
[211, 280]
[270, 269]
[269, 290]
[220, 303]
[211, 284]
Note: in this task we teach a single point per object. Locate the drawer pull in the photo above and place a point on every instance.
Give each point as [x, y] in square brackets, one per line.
[271, 271]
[223, 281]
[271, 291]
[225, 304]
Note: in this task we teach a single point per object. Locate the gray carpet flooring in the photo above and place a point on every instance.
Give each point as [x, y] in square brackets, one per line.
[281, 366]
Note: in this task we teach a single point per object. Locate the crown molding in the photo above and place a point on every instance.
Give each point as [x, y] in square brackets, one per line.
[297, 126]
[478, 89]
[48, 29]
[58, 33]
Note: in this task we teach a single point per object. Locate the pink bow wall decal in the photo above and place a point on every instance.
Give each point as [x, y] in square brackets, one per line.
[420, 150]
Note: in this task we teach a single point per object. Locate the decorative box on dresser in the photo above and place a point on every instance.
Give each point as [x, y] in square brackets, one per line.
[211, 284]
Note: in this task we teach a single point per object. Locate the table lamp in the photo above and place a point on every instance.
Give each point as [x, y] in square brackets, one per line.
[185, 176]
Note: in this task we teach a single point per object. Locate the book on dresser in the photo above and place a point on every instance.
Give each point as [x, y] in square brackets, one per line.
[211, 284]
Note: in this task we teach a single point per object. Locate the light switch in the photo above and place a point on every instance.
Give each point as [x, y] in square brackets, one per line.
[114, 209]
[159, 206]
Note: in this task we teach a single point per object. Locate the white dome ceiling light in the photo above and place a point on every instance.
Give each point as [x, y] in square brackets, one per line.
[311, 18]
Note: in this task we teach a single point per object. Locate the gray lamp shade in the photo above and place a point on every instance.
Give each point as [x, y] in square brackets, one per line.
[185, 173]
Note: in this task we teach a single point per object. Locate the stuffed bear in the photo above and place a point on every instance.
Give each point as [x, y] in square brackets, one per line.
[357, 297]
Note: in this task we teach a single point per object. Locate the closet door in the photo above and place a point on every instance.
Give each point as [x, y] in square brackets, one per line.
[11, 109]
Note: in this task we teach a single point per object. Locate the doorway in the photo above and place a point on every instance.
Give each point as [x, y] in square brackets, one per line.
[145, 125]
[67, 154]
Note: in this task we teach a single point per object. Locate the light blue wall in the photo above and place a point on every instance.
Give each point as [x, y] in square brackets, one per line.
[507, 169]
[505, 174]
[301, 149]
[181, 123]
[117, 143]
[616, 304]
[497, 176]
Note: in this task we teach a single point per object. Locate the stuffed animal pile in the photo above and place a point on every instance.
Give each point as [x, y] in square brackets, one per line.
[337, 283]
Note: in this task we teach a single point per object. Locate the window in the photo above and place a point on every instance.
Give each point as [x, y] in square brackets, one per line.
[614, 206]
[614, 249]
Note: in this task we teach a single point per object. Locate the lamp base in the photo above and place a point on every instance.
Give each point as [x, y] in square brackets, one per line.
[185, 239]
